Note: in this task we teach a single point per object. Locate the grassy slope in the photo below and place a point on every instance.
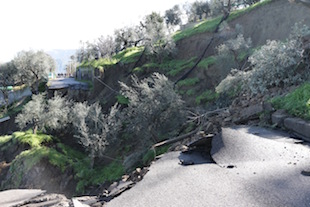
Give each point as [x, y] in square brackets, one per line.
[59, 155]
[210, 24]
[170, 67]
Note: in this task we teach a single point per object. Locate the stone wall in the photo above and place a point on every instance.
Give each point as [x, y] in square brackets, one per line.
[15, 95]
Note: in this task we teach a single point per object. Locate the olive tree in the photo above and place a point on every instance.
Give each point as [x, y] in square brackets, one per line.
[198, 10]
[94, 129]
[34, 67]
[173, 16]
[276, 64]
[127, 37]
[8, 76]
[232, 52]
[154, 109]
[158, 40]
[40, 114]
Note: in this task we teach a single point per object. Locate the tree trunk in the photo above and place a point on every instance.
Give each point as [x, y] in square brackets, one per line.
[35, 129]
[36, 87]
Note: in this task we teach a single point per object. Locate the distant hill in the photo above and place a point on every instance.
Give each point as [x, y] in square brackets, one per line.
[62, 57]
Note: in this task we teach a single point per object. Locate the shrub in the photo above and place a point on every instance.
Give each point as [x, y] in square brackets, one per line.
[188, 82]
[207, 96]
[232, 84]
[154, 108]
[43, 115]
[276, 63]
[229, 52]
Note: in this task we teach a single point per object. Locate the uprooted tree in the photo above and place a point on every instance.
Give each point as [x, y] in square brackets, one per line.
[154, 110]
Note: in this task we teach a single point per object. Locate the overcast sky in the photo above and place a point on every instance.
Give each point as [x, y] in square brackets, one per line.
[61, 24]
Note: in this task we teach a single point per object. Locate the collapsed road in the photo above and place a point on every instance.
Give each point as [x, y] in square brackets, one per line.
[250, 166]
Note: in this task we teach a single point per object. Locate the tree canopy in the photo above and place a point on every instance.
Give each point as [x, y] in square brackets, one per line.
[33, 67]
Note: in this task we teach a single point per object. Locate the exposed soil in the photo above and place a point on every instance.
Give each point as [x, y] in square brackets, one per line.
[273, 21]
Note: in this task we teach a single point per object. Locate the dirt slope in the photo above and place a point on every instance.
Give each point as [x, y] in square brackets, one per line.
[272, 21]
[269, 22]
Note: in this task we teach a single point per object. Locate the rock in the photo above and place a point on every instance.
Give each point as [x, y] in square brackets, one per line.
[249, 113]
[278, 118]
[77, 203]
[268, 106]
[125, 177]
[299, 126]
[138, 170]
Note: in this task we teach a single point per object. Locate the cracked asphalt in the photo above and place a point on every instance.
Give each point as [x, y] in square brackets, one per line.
[254, 167]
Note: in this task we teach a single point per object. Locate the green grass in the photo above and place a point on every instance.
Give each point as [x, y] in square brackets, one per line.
[296, 103]
[62, 157]
[207, 62]
[80, 163]
[5, 139]
[237, 13]
[122, 99]
[100, 63]
[33, 140]
[188, 82]
[204, 26]
[170, 67]
[138, 70]
[130, 55]
[190, 92]
[209, 25]
[99, 175]
[151, 65]
[207, 96]
[174, 67]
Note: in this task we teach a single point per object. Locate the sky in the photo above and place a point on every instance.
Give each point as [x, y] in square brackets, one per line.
[61, 24]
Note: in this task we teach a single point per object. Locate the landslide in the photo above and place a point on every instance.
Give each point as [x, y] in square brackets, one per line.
[272, 20]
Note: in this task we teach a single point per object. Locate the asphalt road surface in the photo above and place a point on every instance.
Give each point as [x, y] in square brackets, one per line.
[59, 83]
[254, 167]
[10, 198]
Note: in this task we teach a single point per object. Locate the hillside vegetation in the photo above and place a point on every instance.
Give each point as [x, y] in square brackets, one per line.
[144, 91]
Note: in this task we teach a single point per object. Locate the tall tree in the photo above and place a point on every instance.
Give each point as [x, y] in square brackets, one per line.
[158, 40]
[94, 129]
[34, 67]
[173, 16]
[8, 75]
[128, 37]
[198, 10]
[154, 108]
